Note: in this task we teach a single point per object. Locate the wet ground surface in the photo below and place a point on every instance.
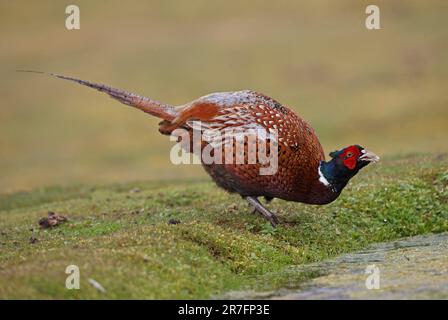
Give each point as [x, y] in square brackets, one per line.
[413, 268]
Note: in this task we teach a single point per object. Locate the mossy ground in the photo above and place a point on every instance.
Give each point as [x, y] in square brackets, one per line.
[119, 234]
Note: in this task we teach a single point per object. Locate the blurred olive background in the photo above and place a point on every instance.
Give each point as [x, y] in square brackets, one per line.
[384, 89]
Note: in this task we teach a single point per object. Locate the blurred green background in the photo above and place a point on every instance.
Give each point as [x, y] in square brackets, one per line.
[384, 89]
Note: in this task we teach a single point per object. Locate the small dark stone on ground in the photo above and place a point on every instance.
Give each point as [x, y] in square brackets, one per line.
[173, 221]
[52, 220]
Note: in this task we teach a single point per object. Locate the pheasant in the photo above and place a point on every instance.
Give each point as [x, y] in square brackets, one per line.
[302, 174]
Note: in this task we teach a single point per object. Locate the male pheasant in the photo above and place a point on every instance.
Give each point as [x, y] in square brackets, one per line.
[302, 175]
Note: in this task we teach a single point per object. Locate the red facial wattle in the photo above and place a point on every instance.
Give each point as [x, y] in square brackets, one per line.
[350, 157]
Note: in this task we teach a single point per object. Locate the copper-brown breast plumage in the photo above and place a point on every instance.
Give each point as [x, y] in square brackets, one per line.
[299, 150]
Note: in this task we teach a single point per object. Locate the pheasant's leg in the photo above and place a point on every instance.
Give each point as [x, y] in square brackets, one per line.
[254, 210]
[262, 210]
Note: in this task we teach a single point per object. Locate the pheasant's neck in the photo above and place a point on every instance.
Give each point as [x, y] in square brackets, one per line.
[329, 176]
[324, 188]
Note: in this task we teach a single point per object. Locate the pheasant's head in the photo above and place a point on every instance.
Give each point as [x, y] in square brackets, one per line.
[345, 164]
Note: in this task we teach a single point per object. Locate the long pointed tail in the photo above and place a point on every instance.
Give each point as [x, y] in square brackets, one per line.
[147, 105]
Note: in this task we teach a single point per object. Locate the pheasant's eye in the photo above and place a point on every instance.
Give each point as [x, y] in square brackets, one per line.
[349, 154]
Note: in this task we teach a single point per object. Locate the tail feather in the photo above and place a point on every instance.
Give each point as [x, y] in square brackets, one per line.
[147, 105]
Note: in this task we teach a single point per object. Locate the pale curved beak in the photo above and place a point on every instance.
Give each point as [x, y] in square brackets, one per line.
[369, 156]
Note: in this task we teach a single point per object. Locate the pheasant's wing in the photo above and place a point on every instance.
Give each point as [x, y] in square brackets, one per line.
[247, 110]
